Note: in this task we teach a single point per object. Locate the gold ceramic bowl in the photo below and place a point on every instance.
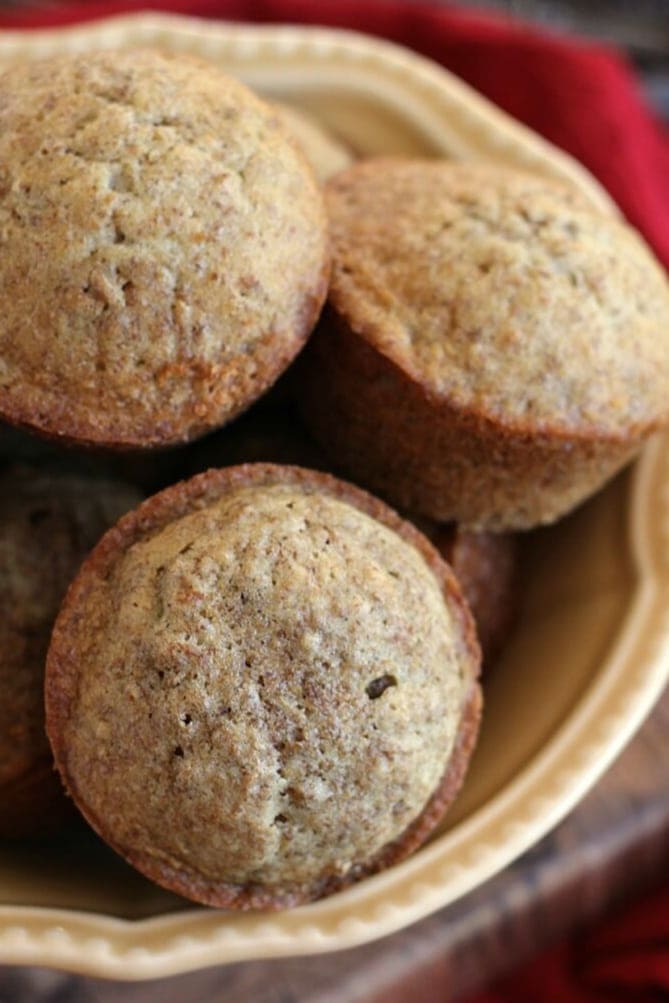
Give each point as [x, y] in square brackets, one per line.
[589, 657]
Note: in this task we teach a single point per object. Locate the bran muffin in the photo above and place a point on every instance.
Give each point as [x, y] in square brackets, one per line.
[165, 247]
[48, 523]
[262, 687]
[493, 349]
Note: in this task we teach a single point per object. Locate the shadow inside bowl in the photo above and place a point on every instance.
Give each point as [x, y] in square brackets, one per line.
[577, 581]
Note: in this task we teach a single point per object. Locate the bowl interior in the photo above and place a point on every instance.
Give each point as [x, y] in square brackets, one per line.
[578, 578]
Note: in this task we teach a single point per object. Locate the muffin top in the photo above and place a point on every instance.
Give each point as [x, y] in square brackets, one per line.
[164, 247]
[48, 523]
[273, 682]
[502, 293]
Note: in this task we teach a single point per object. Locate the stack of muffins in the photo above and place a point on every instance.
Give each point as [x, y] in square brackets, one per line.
[262, 682]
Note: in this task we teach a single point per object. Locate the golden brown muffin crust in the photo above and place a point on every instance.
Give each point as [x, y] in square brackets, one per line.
[279, 669]
[164, 247]
[427, 457]
[502, 293]
[492, 351]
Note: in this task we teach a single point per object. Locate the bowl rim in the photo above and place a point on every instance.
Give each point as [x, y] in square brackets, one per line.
[613, 706]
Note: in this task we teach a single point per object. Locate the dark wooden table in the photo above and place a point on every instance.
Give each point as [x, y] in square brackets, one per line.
[613, 845]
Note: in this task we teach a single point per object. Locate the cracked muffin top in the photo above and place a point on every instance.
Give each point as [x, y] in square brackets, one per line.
[277, 677]
[48, 523]
[164, 248]
[503, 293]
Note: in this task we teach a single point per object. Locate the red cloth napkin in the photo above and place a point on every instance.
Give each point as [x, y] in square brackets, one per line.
[585, 99]
[624, 960]
[581, 96]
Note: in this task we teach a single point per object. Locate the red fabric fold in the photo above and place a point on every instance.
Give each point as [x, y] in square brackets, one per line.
[583, 97]
[623, 960]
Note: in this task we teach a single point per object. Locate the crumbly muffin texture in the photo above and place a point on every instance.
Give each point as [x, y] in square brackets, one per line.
[164, 247]
[48, 523]
[503, 293]
[269, 689]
